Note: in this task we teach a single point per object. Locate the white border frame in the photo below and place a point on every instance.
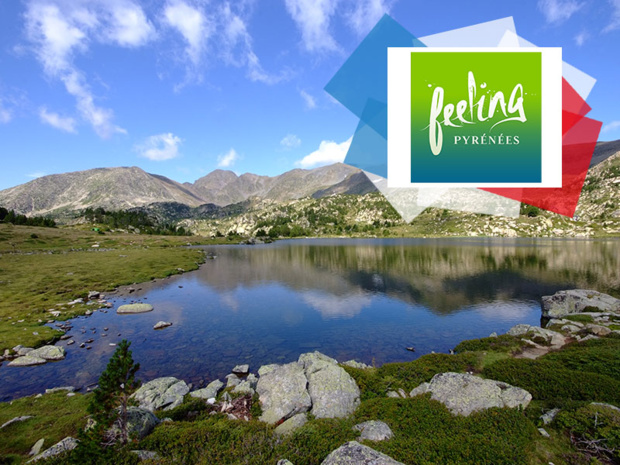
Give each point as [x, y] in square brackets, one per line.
[399, 116]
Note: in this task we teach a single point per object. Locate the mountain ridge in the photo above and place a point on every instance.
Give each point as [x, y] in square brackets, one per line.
[131, 187]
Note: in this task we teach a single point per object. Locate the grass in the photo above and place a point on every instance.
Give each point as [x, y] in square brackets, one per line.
[55, 416]
[67, 267]
[425, 432]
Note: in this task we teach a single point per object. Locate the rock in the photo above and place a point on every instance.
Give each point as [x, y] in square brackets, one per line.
[61, 388]
[374, 430]
[354, 364]
[134, 308]
[577, 301]
[333, 392]
[166, 393]
[210, 391]
[27, 361]
[608, 406]
[65, 445]
[93, 295]
[598, 330]
[543, 432]
[393, 395]
[354, 453]
[16, 420]
[145, 454]
[49, 353]
[232, 381]
[282, 391]
[421, 389]
[21, 351]
[140, 422]
[290, 425]
[570, 328]
[538, 334]
[549, 416]
[37, 447]
[284, 462]
[493, 334]
[241, 370]
[244, 387]
[162, 325]
[464, 394]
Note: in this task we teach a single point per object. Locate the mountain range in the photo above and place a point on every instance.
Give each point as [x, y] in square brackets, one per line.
[219, 193]
[131, 187]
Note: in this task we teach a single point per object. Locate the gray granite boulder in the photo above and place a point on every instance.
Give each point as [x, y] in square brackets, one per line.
[354, 453]
[145, 454]
[241, 370]
[140, 423]
[374, 430]
[564, 303]
[65, 445]
[291, 424]
[464, 394]
[166, 393]
[134, 308]
[282, 391]
[537, 334]
[27, 361]
[355, 364]
[247, 386]
[209, 392]
[333, 392]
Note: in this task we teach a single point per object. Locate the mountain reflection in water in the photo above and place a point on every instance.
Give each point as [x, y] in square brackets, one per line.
[351, 299]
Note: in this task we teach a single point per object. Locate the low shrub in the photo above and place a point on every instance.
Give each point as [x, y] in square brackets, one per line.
[503, 343]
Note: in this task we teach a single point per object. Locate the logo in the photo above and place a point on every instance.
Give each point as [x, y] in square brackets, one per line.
[474, 117]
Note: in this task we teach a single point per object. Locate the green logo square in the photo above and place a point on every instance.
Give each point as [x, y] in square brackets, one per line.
[476, 117]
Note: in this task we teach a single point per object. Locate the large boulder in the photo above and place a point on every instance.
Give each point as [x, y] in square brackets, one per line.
[333, 392]
[282, 391]
[354, 453]
[464, 394]
[49, 353]
[134, 308]
[140, 422]
[291, 424]
[27, 361]
[166, 393]
[564, 303]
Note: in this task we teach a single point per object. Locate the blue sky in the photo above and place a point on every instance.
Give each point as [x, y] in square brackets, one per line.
[182, 87]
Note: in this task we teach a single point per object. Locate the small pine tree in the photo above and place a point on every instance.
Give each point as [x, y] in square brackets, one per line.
[116, 384]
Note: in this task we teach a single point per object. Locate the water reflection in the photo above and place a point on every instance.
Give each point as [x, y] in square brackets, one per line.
[361, 299]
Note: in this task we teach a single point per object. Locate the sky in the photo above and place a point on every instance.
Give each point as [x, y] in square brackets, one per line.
[183, 87]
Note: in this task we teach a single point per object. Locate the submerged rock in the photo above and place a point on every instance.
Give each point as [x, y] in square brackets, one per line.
[166, 393]
[564, 303]
[354, 453]
[134, 308]
[464, 394]
[162, 324]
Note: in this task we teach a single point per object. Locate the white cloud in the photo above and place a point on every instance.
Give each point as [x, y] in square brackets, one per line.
[228, 159]
[581, 38]
[329, 152]
[128, 25]
[611, 126]
[36, 174]
[615, 16]
[160, 147]
[290, 141]
[60, 31]
[558, 11]
[192, 24]
[313, 18]
[308, 99]
[366, 14]
[55, 120]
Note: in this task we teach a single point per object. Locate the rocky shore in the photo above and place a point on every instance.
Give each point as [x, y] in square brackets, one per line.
[317, 386]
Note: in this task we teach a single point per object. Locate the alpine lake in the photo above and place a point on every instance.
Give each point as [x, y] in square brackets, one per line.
[363, 299]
